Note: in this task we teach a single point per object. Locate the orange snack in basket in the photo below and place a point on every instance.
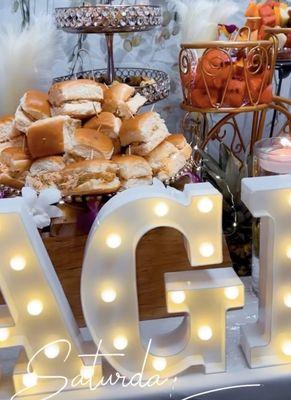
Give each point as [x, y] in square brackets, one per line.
[277, 15]
[199, 81]
[215, 65]
[267, 95]
[200, 98]
[257, 85]
[252, 10]
[235, 94]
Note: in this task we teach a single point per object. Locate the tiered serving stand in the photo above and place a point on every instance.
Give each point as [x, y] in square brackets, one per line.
[283, 66]
[109, 19]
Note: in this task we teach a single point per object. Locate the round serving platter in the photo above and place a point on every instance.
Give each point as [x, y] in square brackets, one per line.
[8, 192]
[108, 18]
[155, 91]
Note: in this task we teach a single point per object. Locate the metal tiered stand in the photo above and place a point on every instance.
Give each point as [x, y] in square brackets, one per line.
[259, 62]
[283, 66]
[109, 19]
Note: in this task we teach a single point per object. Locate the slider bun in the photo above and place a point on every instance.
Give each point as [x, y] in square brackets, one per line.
[144, 132]
[7, 129]
[47, 164]
[19, 141]
[98, 166]
[51, 136]
[169, 157]
[179, 141]
[22, 121]
[94, 186]
[132, 167]
[75, 90]
[16, 159]
[118, 91]
[89, 143]
[104, 181]
[35, 105]
[7, 180]
[78, 109]
[118, 100]
[105, 122]
[133, 182]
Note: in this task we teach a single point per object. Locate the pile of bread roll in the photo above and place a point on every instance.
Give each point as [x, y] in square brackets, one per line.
[86, 138]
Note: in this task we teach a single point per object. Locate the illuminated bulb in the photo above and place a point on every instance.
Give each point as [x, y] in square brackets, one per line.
[4, 334]
[205, 205]
[287, 300]
[231, 293]
[108, 295]
[52, 351]
[286, 348]
[29, 380]
[34, 307]
[120, 342]
[205, 333]
[161, 209]
[113, 241]
[178, 297]
[17, 263]
[206, 249]
[288, 252]
[159, 364]
[87, 372]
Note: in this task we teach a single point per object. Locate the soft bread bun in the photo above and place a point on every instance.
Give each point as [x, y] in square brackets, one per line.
[169, 157]
[132, 166]
[133, 171]
[179, 141]
[143, 133]
[33, 106]
[91, 144]
[105, 122]
[119, 100]
[75, 90]
[51, 136]
[78, 109]
[45, 173]
[7, 128]
[118, 91]
[90, 177]
[19, 141]
[7, 180]
[47, 164]
[22, 121]
[133, 182]
[16, 159]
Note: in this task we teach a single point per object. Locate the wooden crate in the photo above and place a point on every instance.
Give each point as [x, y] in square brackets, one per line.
[161, 250]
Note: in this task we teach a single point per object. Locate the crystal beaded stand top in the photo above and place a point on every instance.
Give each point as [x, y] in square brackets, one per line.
[108, 18]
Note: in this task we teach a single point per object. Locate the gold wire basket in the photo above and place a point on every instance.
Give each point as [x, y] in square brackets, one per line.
[224, 76]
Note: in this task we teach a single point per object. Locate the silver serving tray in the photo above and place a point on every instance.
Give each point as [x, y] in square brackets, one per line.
[108, 18]
[153, 92]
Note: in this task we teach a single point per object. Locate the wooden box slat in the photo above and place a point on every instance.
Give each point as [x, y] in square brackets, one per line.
[161, 250]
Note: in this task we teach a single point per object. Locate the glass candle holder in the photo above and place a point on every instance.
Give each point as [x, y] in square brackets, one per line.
[271, 157]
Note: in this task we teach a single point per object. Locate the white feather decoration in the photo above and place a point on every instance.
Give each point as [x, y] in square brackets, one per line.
[199, 18]
[26, 60]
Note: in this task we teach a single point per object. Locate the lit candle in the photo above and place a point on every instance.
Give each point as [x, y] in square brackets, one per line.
[277, 161]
